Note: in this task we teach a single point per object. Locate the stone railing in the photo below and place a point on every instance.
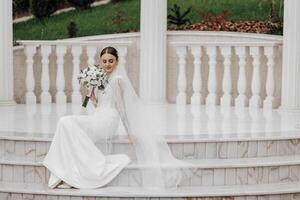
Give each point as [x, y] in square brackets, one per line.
[59, 52]
[211, 68]
[230, 73]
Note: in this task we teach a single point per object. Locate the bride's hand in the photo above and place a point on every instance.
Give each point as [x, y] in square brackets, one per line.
[94, 98]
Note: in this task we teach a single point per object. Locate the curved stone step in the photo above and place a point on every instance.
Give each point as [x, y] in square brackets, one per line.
[35, 148]
[33, 191]
[241, 171]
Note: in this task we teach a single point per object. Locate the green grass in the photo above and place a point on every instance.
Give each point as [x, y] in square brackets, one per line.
[99, 20]
[94, 21]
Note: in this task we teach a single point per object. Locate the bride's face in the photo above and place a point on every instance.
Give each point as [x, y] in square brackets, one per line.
[109, 62]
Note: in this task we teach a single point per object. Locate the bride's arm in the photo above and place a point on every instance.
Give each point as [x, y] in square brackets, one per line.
[121, 106]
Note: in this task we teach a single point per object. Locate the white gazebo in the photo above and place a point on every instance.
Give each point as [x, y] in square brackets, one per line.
[228, 102]
[153, 53]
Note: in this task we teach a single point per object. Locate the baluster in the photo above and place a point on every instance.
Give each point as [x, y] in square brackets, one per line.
[269, 101]
[255, 100]
[91, 52]
[60, 78]
[226, 99]
[181, 81]
[45, 82]
[212, 79]
[241, 100]
[196, 98]
[76, 95]
[30, 96]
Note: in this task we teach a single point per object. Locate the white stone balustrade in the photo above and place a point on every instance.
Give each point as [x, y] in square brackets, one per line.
[241, 100]
[60, 78]
[30, 96]
[45, 82]
[269, 102]
[211, 99]
[60, 49]
[91, 53]
[181, 82]
[255, 100]
[76, 52]
[244, 58]
[226, 99]
[197, 78]
[232, 71]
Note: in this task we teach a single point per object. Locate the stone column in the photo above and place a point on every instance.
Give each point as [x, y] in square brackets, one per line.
[153, 51]
[6, 64]
[290, 99]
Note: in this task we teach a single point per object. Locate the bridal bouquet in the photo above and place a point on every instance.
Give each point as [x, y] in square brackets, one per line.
[92, 77]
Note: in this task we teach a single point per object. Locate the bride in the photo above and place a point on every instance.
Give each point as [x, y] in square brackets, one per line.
[74, 160]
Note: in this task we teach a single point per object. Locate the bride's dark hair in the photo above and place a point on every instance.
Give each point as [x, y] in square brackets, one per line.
[110, 50]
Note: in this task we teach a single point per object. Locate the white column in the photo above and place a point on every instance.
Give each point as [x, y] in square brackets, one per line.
[211, 99]
[196, 98]
[6, 54]
[153, 51]
[181, 81]
[290, 95]
[226, 99]
[255, 100]
[241, 100]
[60, 78]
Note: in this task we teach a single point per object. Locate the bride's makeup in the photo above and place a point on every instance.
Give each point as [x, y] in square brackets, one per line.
[108, 62]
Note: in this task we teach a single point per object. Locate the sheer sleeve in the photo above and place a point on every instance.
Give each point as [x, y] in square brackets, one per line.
[160, 169]
[120, 104]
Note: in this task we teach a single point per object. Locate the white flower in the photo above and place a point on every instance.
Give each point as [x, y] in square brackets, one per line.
[93, 76]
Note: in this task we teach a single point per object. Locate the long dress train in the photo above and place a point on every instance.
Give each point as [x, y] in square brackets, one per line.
[73, 155]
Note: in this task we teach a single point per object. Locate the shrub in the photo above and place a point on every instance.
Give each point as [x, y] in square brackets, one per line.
[117, 18]
[116, 1]
[20, 6]
[72, 29]
[81, 4]
[43, 8]
[177, 18]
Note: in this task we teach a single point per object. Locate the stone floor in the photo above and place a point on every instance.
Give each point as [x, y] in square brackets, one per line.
[186, 122]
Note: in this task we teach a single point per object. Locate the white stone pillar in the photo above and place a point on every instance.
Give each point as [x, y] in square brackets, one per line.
[290, 95]
[153, 51]
[6, 50]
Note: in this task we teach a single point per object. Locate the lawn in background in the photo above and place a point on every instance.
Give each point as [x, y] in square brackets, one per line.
[125, 16]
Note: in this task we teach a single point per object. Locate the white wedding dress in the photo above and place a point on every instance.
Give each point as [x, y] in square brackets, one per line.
[74, 158]
[73, 155]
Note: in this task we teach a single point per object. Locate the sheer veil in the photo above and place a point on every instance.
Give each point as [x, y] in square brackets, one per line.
[158, 167]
